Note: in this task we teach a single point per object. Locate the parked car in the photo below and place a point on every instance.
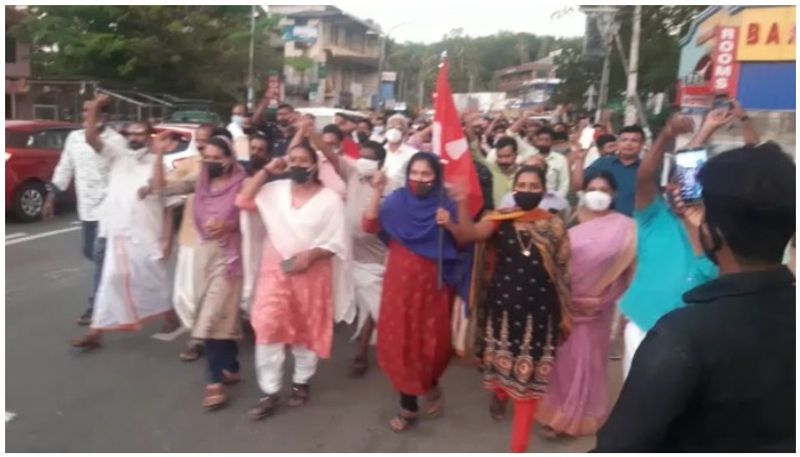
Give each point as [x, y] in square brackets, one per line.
[32, 152]
[324, 115]
[194, 116]
[185, 149]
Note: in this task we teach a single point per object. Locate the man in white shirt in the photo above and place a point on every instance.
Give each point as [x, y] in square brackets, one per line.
[557, 166]
[236, 127]
[398, 153]
[90, 172]
[134, 284]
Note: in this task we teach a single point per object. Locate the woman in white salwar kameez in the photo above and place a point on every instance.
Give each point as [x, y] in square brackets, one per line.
[303, 285]
[134, 285]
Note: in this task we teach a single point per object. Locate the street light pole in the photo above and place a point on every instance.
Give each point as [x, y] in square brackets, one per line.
[382, 61]
[251, 76]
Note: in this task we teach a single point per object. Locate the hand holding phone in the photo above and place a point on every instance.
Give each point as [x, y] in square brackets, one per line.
[688, 163]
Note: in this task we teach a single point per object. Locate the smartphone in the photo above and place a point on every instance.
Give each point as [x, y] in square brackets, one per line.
[722, 102]
[287, 265]
[688, 163]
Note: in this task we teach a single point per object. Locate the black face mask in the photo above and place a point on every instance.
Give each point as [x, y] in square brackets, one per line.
[215, 169]
[528, 200]
[362, 137]
[300, 175]
[716, 243]
[258, 162]
[136, 145]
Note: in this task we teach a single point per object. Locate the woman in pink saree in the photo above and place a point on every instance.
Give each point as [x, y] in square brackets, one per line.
[603, 258]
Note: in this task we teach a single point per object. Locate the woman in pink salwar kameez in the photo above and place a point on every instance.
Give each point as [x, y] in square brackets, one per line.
[603, 255]
[301, 288]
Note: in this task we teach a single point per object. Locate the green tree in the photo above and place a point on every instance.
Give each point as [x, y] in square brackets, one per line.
[659, 53]
[192, 51]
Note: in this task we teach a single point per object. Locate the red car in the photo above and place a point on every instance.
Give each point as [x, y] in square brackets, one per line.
[32, 152]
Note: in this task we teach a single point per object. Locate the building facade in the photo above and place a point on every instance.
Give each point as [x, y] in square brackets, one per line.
[531, 84]
[331, 58]
[18, 71]
[746, 53]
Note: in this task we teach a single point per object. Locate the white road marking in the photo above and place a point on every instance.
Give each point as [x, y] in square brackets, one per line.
[76, 222]
[41, 235]
[11, 236]
[10, 416]
[170, 336]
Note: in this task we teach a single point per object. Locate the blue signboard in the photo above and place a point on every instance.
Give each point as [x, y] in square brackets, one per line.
[767, 86]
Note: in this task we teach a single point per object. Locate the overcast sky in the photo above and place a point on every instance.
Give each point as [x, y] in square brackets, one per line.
[429, 20]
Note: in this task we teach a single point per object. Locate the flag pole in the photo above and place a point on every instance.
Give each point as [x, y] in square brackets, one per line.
[440, 244]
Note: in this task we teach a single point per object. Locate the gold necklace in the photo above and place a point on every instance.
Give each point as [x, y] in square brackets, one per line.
[526, 250]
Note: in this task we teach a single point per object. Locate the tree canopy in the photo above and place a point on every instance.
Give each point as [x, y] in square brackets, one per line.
[190, 51]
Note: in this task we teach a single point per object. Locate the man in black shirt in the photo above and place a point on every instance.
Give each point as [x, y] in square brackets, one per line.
[279, 133]
[719, 374]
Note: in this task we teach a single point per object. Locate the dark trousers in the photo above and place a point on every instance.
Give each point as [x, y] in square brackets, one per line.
[221, 355]
[94, 249]
[409, 402]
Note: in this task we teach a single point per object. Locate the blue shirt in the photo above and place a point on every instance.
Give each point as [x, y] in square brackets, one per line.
[666, 266]
[625, 175]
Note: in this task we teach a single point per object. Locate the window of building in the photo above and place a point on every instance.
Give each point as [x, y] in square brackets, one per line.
[11, 50]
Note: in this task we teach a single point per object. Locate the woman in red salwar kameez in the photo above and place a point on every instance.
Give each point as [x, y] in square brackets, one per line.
[414, 343]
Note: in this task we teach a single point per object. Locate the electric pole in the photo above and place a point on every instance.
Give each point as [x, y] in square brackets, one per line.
[633, 68]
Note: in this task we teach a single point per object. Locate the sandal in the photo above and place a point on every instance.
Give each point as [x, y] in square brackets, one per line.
[497, 408]
[192, 353]
[550, 433]
[435, 401]
[231, 377]
[299, 395]
[265, 407]
[87, 342]
[403, 421]
[170, 324]
[359, 367]
[215, 397]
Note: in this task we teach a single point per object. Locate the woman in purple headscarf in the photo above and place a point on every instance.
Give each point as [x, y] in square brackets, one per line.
[217, 263]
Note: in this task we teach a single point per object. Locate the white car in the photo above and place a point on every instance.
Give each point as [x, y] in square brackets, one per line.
[324, 115]
[187, 148]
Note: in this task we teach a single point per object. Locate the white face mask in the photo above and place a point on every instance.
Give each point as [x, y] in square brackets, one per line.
[596, 200]
[394, 136]
[238, 120]
[377, 130]
[366, 167]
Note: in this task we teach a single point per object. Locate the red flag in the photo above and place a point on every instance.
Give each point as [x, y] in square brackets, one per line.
[450, 145]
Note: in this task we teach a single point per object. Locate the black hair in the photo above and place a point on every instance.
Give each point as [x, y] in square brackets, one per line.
[545, 130]
[222, 131]
[330, 128]
[366, 121]
[605, 175]
[309, 150]
[434, 163]
[148, 127]
[531, 169]
[207, 126]
[604, 139]
[285, 106]
[749, 198]
[222, 143]
[561, 136]
[377, 148]
[506, 142]
[633, 129]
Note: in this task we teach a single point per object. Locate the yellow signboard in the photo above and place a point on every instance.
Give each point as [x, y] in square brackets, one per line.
[767, 34]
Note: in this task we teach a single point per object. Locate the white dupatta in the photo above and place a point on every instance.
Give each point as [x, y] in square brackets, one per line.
[319, 223]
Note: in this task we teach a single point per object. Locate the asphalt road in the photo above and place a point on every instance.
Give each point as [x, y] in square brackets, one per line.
[134, 395]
